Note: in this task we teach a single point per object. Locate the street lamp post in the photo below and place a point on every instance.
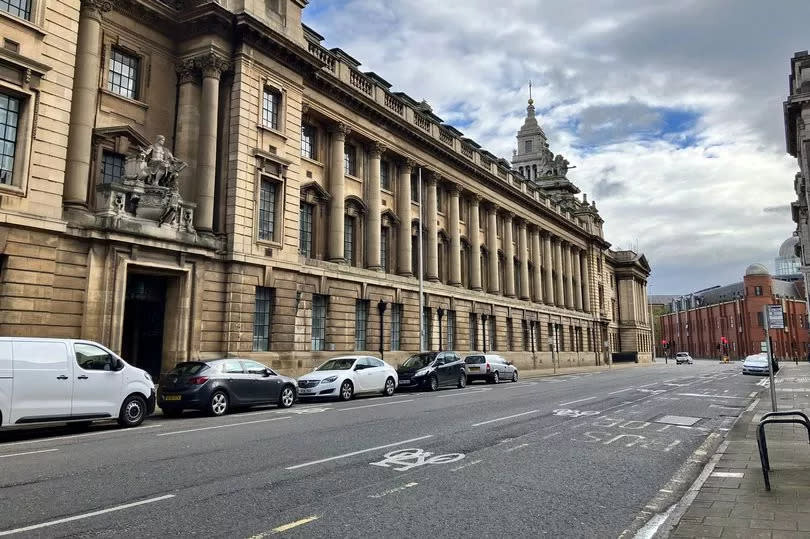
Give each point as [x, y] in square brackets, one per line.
[484, 330]
[552, 343]
[531, 338]
[440, 313]
[381, 307]
[607, 354]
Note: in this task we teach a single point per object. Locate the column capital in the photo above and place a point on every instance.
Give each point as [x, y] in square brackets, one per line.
[212, 64]
[340, 130]
[433, 178]
[186, 70]
[475, 199]
[492, 207]
[453, 188]
[96, 8]
[408, 163]
[522, 224]
[376, 149]
[508, 215]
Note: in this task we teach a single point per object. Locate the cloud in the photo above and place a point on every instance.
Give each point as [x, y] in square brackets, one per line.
[670, 111]
[782, 209]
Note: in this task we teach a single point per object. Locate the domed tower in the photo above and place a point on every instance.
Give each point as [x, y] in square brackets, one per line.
[787, 263]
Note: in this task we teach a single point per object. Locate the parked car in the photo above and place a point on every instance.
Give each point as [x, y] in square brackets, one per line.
[490, 367]
[758, 364]
[65, 380]
[432, 370]
[215, 386]
[347, 376]
[683, 357]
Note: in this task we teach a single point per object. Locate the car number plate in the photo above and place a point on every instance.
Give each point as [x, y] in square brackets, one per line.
[172, 397]
[306, 391]
[475, 368]
[406, 382]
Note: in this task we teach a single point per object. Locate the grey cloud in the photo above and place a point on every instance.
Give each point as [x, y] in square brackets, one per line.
[782, 209]
[604, 188]
[607, 123]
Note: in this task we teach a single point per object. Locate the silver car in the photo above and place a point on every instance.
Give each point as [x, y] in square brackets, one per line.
[490, 367]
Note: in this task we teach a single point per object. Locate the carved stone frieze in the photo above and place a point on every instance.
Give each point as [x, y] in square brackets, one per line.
[186, 71]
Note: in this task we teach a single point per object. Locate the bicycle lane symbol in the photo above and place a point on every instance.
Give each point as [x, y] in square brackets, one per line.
[403, 460]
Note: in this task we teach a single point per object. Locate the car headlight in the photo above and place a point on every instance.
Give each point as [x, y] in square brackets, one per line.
[146, 375]
[329, 380]
[421, 372]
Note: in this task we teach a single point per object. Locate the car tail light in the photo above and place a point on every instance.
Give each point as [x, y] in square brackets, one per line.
[487, 367]
[197, 380]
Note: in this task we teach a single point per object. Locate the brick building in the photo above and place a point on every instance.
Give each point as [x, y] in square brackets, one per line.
[294, 214]
[700, 322]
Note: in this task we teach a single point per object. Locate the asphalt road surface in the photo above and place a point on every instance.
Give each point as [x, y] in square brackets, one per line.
[568, 456]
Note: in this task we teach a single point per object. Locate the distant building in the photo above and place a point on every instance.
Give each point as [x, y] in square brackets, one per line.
[787, 264]
[729, 319]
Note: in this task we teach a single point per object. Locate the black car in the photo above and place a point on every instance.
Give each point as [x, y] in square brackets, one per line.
[217, 385]
[431, 370]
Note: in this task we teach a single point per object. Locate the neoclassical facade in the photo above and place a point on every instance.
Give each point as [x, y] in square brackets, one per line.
[797, 138]
[202, 178]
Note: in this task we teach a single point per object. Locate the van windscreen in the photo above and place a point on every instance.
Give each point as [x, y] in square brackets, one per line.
[474, 360]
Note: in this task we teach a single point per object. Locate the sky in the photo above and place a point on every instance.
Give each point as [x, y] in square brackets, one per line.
[671, 112]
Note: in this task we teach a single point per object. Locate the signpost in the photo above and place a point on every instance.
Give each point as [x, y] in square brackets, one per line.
[774, 318]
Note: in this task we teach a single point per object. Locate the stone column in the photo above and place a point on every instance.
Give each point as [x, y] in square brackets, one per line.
[212, 66]
[586, 281]
[559, 291]
[523, 254]
[576, 266]
[185, 142]
[404, 211]
[83, 100]
[373, 197]
[569, 281]
[454, 258]
[431, 215]
[492, 244]
[548, 267]
[537, 258]
[337, 189]
[474, 233]
[509, 256]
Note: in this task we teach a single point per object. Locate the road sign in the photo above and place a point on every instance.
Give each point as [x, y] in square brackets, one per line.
[776, 319]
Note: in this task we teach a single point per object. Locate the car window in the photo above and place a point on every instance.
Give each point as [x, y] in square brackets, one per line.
[363, 363]
[188, 369]
[253, 367]
[441, 359]
[232, 367]
[418, 361]
[474, 360]
[93, 358]
[375, 362]
[339, 364]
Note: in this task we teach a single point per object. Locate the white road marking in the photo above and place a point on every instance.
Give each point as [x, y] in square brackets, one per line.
[711, 396]
[457, 468]
[85, 515]
[58, 438]
[727, 474]
[516, 448]
[360, 452]
[579, 400]
[621, 391]
[752, 394]
[504, 418]
[463, 393]
[547, 436]
[374, 405]
[223, 426]
[27, 453]
[393, 490]
[752, 405]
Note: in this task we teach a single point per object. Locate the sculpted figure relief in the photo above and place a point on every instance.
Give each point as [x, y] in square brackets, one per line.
[162, 168]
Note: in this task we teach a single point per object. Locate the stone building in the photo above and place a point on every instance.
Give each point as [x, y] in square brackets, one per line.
[729, 319]
[797, 138]
[280, 214]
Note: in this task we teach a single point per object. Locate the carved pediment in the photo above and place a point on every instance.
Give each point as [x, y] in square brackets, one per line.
[313, 192]
[389, 218]
[355, 205]
[123, 137]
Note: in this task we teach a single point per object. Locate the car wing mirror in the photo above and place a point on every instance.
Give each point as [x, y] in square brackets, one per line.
[267, 372]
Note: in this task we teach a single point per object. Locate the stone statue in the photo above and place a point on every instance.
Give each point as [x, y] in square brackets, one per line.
[162, 168]
[560, 165]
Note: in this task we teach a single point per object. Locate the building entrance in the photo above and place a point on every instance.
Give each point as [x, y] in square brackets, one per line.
[144, 311]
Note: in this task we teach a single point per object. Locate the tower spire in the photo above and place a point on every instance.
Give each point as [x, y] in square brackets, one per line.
[530, 93]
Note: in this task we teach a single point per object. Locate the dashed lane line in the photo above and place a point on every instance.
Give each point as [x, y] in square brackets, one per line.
[360, 452]
[374, 405]
[28, 453]
[223, 426]
[576, 401]
[504, 418]
[72, 436]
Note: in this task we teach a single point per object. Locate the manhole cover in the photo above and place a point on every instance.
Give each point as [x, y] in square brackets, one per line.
[682, 420]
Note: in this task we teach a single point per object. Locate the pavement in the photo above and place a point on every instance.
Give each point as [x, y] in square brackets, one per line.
[582, 454]
[730, 499]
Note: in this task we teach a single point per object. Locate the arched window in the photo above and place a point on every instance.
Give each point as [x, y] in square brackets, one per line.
[353, 231]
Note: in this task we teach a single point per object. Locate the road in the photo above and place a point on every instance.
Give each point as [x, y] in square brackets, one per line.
[567, 456]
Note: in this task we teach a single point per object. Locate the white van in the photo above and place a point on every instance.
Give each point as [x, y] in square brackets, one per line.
[66, 380]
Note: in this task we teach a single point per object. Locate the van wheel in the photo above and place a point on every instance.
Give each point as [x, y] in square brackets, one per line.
[218, 405]
[133, 411]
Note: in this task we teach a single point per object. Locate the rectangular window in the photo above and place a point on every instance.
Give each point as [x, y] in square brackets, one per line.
[760, 320]
[319, 303]
[18, 8]
[439, 199]
[757, 290]
[385, 175]
[123, 76]
[267, 210]
[261, 318]
[473, 331]
[509, 334]
[427, 326]
[384, 248]
[309, 141]
[396, 325]
[112, 167]
[360, 324]
[348, 239]
[350, 160]
[305, 230]
[528, 146]
[271, 103]
[550, 329]
[524, 324]
[491, 333]
[9, 120]
[451, 330]
[414, 188]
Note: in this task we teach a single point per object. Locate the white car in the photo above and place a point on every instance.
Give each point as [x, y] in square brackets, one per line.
[347, 376]
[757, 364]
[683, 357]
[64, 380]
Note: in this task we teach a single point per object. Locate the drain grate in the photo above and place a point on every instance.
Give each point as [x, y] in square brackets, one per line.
[682, 420]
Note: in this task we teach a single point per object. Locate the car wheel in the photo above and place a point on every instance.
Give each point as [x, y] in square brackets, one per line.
[496, 378]
[133, 411]
[462, 381]
[433, 383]
[287, 397]
[218, 404]
[515, 376]
[346, 390]
[172, 412]
[389, 387]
